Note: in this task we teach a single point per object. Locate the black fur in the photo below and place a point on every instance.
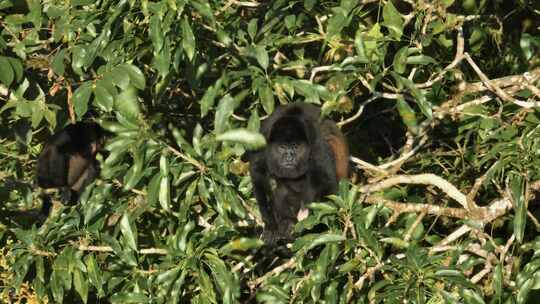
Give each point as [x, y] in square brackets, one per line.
[68, 159]
[281, 188]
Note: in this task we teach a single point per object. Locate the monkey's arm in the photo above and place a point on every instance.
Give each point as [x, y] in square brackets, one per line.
[52, 167]
[81, 173]
[262, 189]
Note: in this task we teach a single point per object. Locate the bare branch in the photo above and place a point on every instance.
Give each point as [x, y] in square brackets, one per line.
[424, 179]
[413, 207]
[157, 251]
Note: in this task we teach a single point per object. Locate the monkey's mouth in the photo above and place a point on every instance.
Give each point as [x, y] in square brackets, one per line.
[288, 164]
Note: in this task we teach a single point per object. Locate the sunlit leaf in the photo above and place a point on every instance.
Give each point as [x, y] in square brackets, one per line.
[392, 20]
[250, 139]
[81, 97]
[127, 232]
[188, 41]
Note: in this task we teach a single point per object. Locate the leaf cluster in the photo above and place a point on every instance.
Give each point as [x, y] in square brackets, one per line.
[181, 87]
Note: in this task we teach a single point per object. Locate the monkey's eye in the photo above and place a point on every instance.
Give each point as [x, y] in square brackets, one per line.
[283, 147]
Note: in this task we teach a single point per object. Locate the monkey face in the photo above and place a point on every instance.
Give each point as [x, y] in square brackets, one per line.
[290, 155]
[288, 151]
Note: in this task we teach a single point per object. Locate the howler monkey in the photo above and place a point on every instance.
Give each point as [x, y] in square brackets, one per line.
[68, 159]
[303, 160]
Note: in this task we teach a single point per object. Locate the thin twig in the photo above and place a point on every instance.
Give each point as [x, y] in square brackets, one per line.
[157, 251]
[273, 272]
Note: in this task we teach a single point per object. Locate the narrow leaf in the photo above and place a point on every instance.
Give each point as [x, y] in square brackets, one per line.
[252, 140]
[392, 20]
[81, 98]
[127, 232]
[262, 56]
[188, 41]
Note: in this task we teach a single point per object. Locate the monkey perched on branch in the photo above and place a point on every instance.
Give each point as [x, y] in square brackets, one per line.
[303, 161]
[68, 159]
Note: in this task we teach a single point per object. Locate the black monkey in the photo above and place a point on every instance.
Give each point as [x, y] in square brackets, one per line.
[304, 159]
[68, 159]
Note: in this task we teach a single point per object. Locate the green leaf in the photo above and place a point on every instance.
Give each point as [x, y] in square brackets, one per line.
[252, 28]
[448, 273]
[498, 281]
[319, 240]
[167, 277]
[135, 76]
[471, 297]
[290, 22]
[225, 109]
[420, 59]
[114, 127]
[371, 42]
[188, 41]
[420, 98]
[135, 173]
[94, 274]
[81, 285]
[81, 98]
[7, 74]
[359, 44]
[224, 37]
[536, 281]
[17, 67]
[127, 232]
[209, 97]
[78, 55]
[309, 4]
[242, 244]
[156, 33]
[223, 277]
[520, 205]
[400, 60]
[262, 56]
[120, 77]
[523, 291]
[127, 103]
[153, 190]
[183, 238]
[392, 20]
[56, 287]
[331, 292]
[337, 22]
[407, 114]
[254, 122]
[396, 242]
[162, 62]
[251, 140]
[103, 98]
[205, 10]
[164, 165]
[129, 297]
[267, 98]
[58, 62]
[37, 116]
[165, 193]
[308, 90]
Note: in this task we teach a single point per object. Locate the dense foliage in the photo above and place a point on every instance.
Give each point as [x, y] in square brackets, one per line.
[438, 100]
